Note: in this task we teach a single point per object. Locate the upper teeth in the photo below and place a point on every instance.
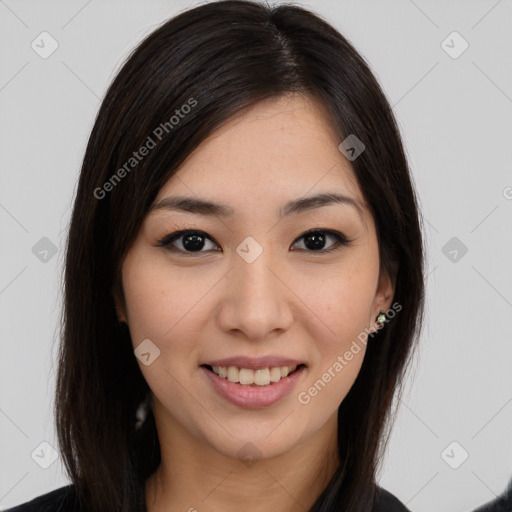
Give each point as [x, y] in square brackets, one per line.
[248, 376]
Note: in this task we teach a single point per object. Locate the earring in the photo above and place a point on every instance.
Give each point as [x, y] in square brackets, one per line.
[143, 410]
[381, 318]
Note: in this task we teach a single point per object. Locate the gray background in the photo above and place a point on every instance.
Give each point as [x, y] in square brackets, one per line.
[455, 115]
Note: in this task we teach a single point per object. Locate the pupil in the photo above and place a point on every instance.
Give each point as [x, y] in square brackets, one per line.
[196, 244]
[318, 241]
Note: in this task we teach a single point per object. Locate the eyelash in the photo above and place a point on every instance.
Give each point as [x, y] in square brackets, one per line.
[166, 241]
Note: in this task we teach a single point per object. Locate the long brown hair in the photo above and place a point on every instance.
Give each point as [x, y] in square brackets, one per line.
[218, 59]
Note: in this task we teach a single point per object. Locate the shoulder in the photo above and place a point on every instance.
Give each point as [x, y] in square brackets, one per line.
[502, 503]
[59, 500]
[386, 502]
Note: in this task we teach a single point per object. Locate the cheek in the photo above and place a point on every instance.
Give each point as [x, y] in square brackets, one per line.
[339, 353]
[340, 306]
[164, 306]
[341, 303]
[160, 300]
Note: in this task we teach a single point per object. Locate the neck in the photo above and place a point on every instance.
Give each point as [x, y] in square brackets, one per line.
[193, 476]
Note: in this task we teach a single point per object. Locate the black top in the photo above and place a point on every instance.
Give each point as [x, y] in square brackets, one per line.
[502, 503]
[59, 500]
[63, 500]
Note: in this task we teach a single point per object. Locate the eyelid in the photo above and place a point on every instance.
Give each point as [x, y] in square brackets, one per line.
[166, 241]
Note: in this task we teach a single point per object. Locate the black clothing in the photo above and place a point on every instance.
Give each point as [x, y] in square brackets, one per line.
[63, 500]
[59, 500]
[502, 503]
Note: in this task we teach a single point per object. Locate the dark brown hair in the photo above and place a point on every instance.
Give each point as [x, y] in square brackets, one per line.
[224, 56]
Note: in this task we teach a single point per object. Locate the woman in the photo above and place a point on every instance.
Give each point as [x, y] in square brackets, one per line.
[244, 275]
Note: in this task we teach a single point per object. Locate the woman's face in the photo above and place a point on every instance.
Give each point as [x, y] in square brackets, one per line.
[251, 286]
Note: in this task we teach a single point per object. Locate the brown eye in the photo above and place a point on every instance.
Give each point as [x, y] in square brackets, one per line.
[315, 240]
[189, 240]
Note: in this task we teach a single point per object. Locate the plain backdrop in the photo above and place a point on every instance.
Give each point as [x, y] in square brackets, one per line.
[451, 448]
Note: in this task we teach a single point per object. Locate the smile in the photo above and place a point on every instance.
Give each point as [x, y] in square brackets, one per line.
[248, 376]
[250, 388]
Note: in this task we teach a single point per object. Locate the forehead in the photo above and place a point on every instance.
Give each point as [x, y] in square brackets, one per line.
[280, 148]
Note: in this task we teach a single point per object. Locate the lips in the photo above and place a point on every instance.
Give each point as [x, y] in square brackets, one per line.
[254, 363]
[253, 396]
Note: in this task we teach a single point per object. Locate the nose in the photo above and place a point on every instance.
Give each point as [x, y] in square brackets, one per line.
[255, 299]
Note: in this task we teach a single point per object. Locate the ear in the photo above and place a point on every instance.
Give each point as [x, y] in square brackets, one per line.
[119, 303]
[384, 294]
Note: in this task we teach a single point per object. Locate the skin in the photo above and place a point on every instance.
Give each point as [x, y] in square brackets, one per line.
[291, 301]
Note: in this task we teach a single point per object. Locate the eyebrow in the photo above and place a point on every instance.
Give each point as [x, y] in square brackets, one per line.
[296, 206]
